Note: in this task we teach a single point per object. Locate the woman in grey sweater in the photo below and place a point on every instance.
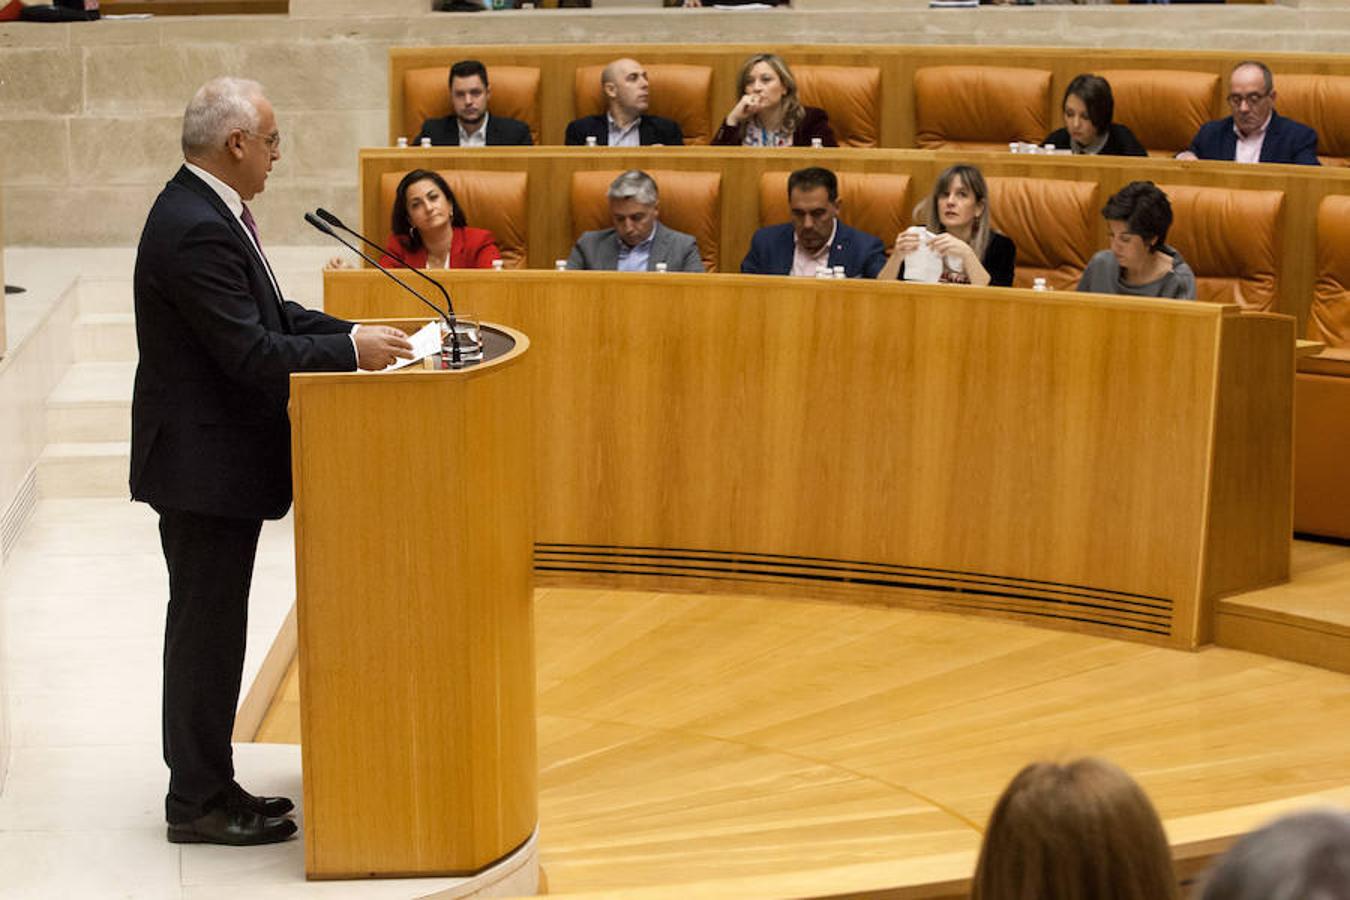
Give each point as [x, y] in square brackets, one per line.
[1139, 262]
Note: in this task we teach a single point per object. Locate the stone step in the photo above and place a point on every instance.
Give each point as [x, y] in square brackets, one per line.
[105, 337]
[110, 294]
[92, 403]
[86, 469]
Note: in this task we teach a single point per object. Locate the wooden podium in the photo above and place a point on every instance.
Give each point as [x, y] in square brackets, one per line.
[414, 531]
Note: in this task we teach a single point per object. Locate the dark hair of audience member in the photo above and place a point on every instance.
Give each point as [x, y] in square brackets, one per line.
[793, 111]
[814, 177]
[401, 225]
[468, 68]
[1304, 856]
[926, 212]
[1144, 209]
[1095, 92]
[1080, 831]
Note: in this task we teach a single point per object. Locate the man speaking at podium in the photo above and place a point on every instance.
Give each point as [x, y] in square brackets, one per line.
[210, 442]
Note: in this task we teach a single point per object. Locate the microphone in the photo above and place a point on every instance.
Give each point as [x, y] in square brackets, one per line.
[337, 223]
[455, 357]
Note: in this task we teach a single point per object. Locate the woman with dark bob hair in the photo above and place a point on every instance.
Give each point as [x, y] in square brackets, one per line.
[1088, 127]
[769, 113]
[1080, 831]
[959, 230]
[429, 230]
[1139, 262]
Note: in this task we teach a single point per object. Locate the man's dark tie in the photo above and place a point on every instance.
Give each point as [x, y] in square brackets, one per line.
[252, 226]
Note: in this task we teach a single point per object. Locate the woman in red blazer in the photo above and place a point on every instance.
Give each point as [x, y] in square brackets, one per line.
[429, 230]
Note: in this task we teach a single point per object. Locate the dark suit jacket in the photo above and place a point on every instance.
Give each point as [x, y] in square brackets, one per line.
[501, 131]
[1120, 141]
[599, 251]
[209, 430]
[651, 130]
[771, 250]
[1286, 141]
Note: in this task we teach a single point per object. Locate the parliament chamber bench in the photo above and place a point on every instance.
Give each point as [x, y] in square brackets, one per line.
[1103, 464]
[902, 97]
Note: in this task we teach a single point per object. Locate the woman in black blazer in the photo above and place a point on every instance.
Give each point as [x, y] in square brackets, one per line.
[769, 113]
[1088, 107]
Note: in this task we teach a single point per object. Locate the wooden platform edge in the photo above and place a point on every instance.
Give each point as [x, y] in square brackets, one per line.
[1195, 841]
[267, 684]
[1313, 642]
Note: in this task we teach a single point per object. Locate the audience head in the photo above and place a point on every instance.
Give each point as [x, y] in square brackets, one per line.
[1081, 831]
[1088, 108]
[1138, 217]
[633, 205]
[959, 203]
[424, 204]
[626, 89]
[1251, 94]
[813, 198]
[469, 91]
[767, 76]
[1305, 856]
[230, 130]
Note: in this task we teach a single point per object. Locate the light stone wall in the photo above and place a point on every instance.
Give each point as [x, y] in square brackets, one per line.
[89, 112]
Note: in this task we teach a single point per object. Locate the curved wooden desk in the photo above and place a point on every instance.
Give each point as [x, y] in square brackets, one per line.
[416, 642]
[1086, 462]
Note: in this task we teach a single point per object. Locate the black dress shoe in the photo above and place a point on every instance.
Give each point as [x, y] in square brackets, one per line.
[263, 806]
[234, 825]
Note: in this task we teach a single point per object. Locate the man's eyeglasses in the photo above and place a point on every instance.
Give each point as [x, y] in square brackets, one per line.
[1250, 99]
[273, 140]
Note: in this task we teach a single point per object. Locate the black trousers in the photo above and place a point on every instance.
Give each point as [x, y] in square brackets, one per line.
[210, 561]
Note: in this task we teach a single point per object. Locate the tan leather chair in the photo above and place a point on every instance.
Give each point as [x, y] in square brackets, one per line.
[679, 92]
[515, 94]
[1053, 223]
[690, 202]
[1229, 237]
[1321, 102]
[1322, 387]
[875, 203]
[852, 97]
[1163, 107]
[980, 107]
[496, 201]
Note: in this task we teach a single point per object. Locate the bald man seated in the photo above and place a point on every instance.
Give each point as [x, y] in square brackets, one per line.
[625, 122]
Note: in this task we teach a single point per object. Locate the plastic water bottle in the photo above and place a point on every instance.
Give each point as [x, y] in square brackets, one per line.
[426, 142]
[817, 143]
[1038, 284]
[824, 272]
[496, 265]
[839, 272]
[560, 265]
[1014, 146]
[402, 143]
[662, 267]
[591, 141]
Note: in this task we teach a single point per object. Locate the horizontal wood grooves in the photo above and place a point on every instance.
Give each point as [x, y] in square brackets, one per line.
[1135, 613]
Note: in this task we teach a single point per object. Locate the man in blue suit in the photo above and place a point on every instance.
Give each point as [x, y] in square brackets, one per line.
[1255, 132]
[815, 237]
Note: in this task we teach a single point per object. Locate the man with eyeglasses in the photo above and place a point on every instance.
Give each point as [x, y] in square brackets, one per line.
[210, 437]
[1255, 132]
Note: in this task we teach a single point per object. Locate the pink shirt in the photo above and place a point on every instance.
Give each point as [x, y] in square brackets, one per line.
[1249, 146]
[804, 263]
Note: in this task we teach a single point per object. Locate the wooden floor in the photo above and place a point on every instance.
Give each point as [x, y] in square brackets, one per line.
[690, 738]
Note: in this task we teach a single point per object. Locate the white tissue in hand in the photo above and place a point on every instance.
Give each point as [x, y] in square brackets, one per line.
[923, 264]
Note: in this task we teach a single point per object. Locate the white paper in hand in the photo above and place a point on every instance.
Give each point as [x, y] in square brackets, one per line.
[425, 342]
[923, 264]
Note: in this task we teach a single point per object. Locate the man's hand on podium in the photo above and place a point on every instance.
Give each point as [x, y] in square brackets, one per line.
[377, 346]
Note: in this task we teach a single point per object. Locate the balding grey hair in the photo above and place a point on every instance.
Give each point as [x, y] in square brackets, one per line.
[1304, 856]
[219, 107]
[1266, 75]
[634, 184]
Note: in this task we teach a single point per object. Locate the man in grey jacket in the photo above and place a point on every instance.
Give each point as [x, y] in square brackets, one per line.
[638, 242]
